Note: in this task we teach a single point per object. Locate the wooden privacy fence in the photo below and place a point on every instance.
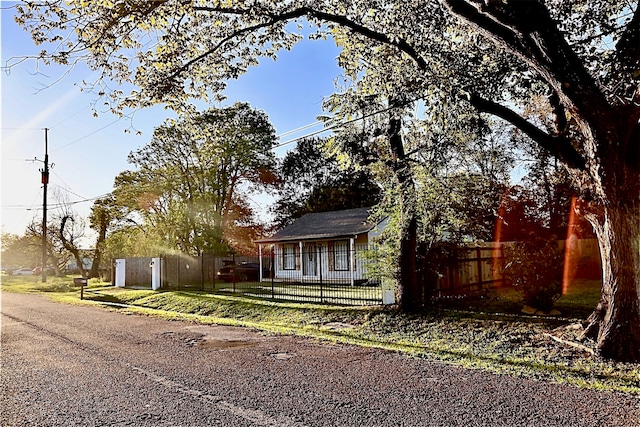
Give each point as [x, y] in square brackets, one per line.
[479, 267]
[473, 269]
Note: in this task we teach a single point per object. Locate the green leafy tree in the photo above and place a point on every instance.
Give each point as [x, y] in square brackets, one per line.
[191, 184]
[379, 142]
[131, 241]
[313, 181]
[519, 216]
[551, 187]
[534, 267]
[493, 56]
[20, 251]
[106, 217]
[56, 254]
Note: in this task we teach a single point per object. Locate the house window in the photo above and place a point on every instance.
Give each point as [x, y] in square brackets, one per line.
[289, 256]
[341, 255]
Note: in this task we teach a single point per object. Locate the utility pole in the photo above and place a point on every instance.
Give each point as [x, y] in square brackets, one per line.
[45, 181]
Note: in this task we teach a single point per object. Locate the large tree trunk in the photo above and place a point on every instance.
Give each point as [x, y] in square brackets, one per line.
[615, 323]
[97, 255]
[70, 245]
[409, 299]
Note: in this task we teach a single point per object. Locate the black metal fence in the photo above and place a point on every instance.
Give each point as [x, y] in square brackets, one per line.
[206, 272]
[315, 273]
[336, 272]
[333, 272]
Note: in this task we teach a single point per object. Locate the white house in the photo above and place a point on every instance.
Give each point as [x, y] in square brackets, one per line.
[325, 246]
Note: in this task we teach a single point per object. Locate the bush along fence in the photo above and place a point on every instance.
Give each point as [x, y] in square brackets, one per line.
[447, 270]
[333, 274]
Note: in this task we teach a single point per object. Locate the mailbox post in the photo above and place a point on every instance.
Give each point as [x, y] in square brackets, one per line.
[82, 282]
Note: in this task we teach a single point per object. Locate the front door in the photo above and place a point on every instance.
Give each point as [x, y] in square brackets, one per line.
[309, 260]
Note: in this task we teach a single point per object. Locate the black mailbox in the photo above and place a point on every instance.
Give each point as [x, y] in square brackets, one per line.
[79, 281]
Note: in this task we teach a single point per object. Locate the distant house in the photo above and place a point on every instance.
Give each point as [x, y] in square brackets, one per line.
[325, 246]
[72, 265]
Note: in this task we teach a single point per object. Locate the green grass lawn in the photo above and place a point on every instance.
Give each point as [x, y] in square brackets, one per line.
[300, 292]
[578, 300]
[482, 333]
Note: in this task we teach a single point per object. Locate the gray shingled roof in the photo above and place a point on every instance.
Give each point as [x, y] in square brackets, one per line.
[325, 225]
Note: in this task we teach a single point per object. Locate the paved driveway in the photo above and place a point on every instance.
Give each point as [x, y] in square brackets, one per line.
[84, 366]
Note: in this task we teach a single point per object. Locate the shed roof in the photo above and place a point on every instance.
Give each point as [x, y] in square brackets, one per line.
[325, 225]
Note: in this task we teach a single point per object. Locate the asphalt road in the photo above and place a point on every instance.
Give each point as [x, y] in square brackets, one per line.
[83, 366]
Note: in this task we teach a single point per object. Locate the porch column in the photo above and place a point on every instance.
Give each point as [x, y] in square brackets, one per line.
[352, 258]
[260, 255]
[301, 261]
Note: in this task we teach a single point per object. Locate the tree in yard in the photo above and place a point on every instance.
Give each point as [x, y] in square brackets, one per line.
[20, 251]
[70, 232]
[57, 256]
[490, 55]
[314, 181]
[130, 241]
[192, 180]
[534, 267]
[105, 217]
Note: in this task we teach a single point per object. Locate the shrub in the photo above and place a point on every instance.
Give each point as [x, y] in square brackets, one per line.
[534, 267]
[436, 261]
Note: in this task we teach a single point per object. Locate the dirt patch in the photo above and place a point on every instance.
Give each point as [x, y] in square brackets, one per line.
[226, 344]
[225, 337]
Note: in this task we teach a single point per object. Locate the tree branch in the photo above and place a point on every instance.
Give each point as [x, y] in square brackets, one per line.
[401, 44]
[526, 29]
[628, 47]
[300, 12]
[559, 146]
[221, 43]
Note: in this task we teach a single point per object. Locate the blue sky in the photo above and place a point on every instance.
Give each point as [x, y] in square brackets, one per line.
[87, 153]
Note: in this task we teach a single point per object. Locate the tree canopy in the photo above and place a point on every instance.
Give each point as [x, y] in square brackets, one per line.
[491, 56]
[191, 181]
[314, 181]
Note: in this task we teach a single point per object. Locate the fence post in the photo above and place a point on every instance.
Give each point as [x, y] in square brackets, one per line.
[320, 271]
[178, 273]
[233, 275]
[502, 264]
[163, 272]
[201, 259]
[273, 258]
[479, 259]
[214, 270]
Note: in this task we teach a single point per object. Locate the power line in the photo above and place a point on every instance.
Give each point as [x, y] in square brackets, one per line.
[70, 117]
[337, 125]
[56, 205]
[88, 135]
[310, 125]
[68, 189]
[309, 135]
